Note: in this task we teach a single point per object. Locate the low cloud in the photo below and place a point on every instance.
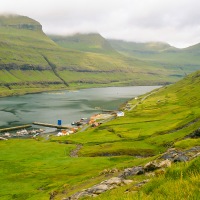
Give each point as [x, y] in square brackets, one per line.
[176, 22]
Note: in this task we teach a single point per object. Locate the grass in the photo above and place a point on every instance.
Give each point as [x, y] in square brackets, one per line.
[32, 169]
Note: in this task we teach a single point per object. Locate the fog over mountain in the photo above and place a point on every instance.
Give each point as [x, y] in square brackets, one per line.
[175, 22]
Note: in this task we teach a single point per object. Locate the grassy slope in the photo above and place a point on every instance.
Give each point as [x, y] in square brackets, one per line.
[33, 169]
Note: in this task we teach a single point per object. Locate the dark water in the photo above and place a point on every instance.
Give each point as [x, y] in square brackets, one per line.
[67, 106]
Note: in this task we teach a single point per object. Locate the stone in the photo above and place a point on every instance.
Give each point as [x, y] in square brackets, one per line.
[114, 170]
[113, 181]
[98, 189]
[151, 166]
[170, 154]
[127, 182]
[165, 163]
[132, 171]
[181, 158]
[150, 174]
[105, 171]
[196, 155]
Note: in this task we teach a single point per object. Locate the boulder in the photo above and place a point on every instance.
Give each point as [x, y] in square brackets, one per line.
[151, 166]
[113, 181]
[181, 158]
[127, 182]
[132, 171]
[98, 189]
[165, 163]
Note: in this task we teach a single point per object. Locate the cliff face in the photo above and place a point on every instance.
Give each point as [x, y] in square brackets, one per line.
[19, 22]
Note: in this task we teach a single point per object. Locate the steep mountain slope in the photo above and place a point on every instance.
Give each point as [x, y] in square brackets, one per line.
[153, 123]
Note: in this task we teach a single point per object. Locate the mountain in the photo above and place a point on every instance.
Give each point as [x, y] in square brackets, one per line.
[184, 61]
[91, 42]
[31, 61]
[166, 120]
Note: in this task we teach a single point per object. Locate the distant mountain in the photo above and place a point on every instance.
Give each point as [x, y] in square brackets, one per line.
[186, 60]
[193, 49]
[148, 48]
[91, 42]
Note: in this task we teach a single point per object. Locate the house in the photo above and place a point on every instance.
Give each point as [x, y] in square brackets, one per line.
[120, 114]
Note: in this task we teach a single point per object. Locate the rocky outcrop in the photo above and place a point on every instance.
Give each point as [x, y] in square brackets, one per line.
[132, 171]
[152, 168]
[175, 155]
[100, 188]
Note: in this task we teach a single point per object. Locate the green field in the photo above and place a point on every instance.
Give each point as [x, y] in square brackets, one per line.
[38, 168]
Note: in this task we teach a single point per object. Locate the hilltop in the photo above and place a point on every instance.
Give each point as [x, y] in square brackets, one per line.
[162, 123]
[91, 42]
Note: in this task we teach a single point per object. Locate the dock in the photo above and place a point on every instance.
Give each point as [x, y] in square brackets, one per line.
[51, 125]
[15, 128]
[109, 111]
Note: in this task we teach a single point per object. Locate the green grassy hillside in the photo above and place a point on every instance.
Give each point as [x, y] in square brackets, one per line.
[38, 169]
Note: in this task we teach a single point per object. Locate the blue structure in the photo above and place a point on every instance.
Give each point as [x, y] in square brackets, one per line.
[59, 122]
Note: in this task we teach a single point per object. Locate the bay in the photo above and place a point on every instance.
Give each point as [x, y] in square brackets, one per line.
[68, 106]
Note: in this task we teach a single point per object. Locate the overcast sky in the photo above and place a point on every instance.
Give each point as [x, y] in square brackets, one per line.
[174, 21]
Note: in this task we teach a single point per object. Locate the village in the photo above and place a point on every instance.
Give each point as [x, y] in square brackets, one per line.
[61, 130]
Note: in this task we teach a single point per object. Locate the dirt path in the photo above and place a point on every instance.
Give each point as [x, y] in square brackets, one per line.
[134, 106]
[74, 152]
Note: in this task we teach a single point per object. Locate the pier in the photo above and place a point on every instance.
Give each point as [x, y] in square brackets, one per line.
[51, 125]
[15, 128]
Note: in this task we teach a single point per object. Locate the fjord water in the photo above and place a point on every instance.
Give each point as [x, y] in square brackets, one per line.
[67, 106]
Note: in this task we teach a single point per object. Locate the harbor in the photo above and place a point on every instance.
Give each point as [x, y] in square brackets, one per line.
[34, 129]
[24, 116]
